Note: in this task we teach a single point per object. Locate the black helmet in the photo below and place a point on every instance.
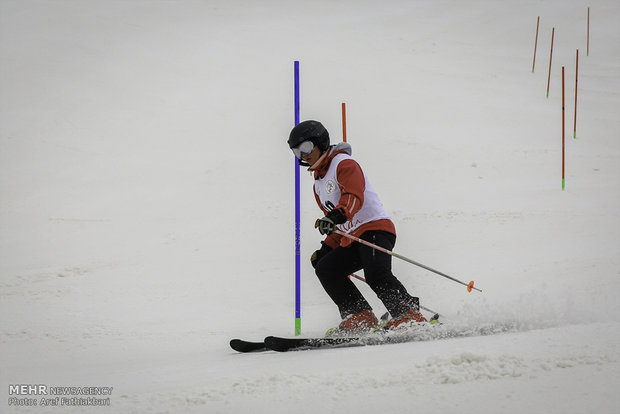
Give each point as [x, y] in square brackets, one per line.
[309, 131]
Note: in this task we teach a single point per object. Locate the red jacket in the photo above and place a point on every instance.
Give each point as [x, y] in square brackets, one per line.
[352, 185]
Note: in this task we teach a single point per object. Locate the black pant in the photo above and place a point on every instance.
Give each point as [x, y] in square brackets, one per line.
[333, 270]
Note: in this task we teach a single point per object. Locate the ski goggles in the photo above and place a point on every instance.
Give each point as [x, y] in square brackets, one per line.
[304, 148]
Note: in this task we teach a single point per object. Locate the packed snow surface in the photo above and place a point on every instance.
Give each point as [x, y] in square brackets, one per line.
[147, 202]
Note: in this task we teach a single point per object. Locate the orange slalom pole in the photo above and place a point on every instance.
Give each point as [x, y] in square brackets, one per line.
[535, 43]
[563, 157]
[550, 58]
[576, 80]
[344, 123]
[588, 48]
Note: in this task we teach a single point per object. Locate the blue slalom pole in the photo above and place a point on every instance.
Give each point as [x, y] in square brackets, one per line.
[297, 219]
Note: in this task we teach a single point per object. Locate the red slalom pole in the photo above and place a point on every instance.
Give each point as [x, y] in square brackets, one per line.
[550, 58]
[576, 80]
[535, 43]
[344, 123]
[588, 47]
[469, 285]
[563, 179]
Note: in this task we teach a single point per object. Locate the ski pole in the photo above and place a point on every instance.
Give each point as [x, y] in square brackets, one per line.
[469, 285]
[363, 279]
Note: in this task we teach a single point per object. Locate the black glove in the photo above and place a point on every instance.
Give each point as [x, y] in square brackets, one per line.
[327, 224]
[319, 254]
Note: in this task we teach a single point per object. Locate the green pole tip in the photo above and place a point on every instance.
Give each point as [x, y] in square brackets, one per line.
[297, 326]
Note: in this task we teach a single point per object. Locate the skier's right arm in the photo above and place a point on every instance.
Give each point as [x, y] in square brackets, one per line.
[332, 240]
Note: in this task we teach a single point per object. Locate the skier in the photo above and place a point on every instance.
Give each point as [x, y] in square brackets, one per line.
[351, 205]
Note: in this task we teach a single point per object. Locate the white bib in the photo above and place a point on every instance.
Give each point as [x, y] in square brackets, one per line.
[328, 190]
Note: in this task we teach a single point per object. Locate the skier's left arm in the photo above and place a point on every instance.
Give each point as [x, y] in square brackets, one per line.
[352, 185]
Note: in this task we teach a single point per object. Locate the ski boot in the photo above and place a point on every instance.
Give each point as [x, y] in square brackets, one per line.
[361, 322]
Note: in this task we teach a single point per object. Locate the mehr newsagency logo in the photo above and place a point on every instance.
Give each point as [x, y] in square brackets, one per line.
[33, 395]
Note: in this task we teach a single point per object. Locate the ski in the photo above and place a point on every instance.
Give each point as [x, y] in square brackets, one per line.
[279, 344]
[416, 333]
[240, 345]
[382, 337]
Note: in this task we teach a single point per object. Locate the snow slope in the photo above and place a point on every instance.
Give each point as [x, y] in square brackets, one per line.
[146, 210]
